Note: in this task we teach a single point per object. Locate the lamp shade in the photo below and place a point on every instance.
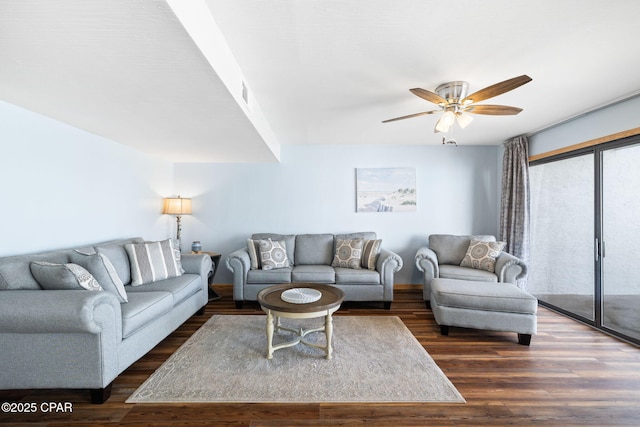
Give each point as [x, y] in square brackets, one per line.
[177, 206]
[445, 121]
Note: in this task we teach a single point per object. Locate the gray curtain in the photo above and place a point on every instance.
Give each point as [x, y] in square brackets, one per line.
[514, 212]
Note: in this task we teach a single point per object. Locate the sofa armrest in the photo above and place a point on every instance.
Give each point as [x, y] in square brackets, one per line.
[197, 264]
[239, 264]
[59, 311]
[387, 265]
[509, 268]
[201, 265]
[427, 262]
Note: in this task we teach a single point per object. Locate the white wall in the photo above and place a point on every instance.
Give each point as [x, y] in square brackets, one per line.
[61, 186]
[312, 190]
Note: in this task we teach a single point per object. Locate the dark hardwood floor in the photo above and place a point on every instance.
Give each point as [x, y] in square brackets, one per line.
[570, 375]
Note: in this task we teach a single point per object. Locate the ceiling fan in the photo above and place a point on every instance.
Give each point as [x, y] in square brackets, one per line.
[454, 102]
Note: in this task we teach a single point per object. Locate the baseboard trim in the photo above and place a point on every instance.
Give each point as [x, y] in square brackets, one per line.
[408, 286]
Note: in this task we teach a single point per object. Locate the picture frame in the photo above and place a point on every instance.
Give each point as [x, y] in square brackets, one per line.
[386, 190]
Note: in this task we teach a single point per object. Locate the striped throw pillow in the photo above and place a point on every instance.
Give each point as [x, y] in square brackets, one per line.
[370, 252]
[152, 261]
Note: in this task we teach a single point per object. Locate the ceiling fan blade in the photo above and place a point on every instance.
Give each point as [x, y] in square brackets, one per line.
[424, 113]
[429, 96]
[493, 110]
[496, 89]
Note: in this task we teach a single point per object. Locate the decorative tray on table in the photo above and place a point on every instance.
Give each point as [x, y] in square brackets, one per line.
[301, 295]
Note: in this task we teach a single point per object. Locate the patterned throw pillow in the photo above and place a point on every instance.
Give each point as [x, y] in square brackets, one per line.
[348, 253]
[273, 254]
[63, 276]
[152, 261]
[482, 255]
[103, 270]
[370, 252]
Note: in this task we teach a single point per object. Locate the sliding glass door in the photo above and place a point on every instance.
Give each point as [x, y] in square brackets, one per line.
[561, 267]
[585, 235]
[621, 240]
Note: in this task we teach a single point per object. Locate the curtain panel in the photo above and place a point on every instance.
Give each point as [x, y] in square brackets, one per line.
[514, 212]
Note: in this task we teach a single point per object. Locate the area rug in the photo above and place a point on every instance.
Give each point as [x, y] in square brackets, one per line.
[375, 359]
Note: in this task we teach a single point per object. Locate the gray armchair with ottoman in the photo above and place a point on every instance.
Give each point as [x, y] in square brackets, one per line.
[446, 257]
[469, 282]
[355, 263]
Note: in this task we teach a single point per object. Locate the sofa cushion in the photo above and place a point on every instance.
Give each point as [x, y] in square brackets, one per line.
[273, 254]
[152, 261]
[482, 255]
[53, 276]
[104, 272]
[280, 275]
[117, 255]
[180, 287]
[313, 274]
[348, 253]
[347, 276]
[253, 247]
[451, 249]
[466, 273]
[114, 250]
[370, 252]
[142, 309]
[505, 297]
[15, 271]
[366, 235]
[314, 249]
[289, 241]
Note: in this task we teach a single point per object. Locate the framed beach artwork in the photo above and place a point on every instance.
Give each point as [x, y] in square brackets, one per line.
[386, 190]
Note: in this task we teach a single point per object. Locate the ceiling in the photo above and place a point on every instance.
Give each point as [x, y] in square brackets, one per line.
[167, 77]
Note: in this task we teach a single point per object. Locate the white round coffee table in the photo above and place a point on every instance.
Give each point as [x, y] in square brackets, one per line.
[272, 303]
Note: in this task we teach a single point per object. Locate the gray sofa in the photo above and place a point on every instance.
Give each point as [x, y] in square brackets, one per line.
[443, 256]
[310, 258]
[81, 339]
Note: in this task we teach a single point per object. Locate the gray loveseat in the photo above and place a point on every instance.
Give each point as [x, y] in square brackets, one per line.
[311, 259]
[80, 339]
[445, 253]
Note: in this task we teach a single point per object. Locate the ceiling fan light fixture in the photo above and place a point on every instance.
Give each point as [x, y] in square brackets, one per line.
[445, 121]
[464, 119]
[454, 103]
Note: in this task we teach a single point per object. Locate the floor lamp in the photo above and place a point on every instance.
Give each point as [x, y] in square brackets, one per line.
[177, 206]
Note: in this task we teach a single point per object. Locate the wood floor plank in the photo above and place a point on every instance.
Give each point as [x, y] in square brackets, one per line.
[570, 375]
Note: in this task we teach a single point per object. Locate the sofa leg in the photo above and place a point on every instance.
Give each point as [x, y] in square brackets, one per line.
[444, 330]
[428, 304]
[100, 395]
[524, 339]
[201, 311]
[239, 304]
[387, 305]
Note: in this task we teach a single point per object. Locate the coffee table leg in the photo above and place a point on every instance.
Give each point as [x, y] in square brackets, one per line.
[269, 335]
[328, 331]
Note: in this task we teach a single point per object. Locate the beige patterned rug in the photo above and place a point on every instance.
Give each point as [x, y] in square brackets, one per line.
[375, 359]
